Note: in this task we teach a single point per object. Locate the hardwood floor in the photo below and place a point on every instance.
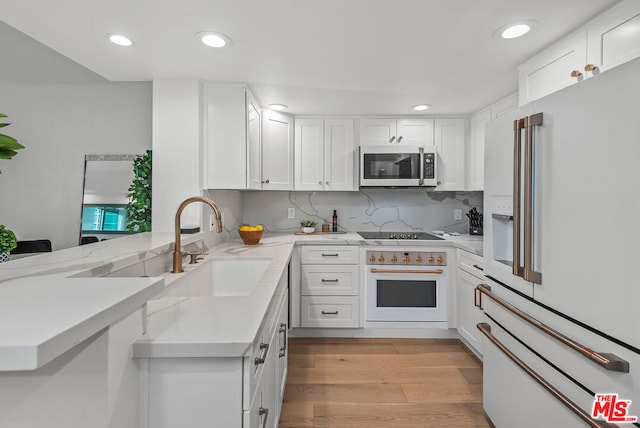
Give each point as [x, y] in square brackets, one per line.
[382, 383]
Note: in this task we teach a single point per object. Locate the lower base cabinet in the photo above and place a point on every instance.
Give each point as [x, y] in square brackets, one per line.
[469, 274]
[230, 392]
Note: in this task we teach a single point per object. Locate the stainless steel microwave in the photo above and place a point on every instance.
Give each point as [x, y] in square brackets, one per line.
[384, 166]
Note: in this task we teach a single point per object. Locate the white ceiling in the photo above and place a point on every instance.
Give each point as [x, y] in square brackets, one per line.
[343, 57]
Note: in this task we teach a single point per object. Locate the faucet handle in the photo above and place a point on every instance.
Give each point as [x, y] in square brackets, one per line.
[194, 256]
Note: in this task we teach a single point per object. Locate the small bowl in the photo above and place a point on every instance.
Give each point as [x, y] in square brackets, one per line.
[251, 237]
[308, 229]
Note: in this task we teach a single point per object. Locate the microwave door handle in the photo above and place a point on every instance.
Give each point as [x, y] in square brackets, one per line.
[421, 166]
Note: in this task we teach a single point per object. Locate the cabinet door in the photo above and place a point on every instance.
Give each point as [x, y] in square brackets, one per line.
[475, 152]
[277, 151]
[309, 154]
[450, 141]
[283, 353]
[551, 70]
[468, 315]
[225, 154]
[614, 37]
[254, 162]
[377, 132]
[415, 132]
[338, 154]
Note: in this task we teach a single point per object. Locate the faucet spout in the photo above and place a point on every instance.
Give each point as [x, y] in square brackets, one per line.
[177, 250]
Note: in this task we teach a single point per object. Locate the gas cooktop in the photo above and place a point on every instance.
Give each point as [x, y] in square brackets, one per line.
[417, 236]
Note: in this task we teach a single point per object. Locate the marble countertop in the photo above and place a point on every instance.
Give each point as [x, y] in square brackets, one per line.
[71, 302]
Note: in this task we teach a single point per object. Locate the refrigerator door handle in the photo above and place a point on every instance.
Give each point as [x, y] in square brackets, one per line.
[518, 126]
[528, 273]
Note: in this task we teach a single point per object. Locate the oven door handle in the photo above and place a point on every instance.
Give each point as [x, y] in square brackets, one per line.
[429, 272]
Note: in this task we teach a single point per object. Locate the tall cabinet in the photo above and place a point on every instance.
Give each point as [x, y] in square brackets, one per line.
[271, 160]
[324, 154]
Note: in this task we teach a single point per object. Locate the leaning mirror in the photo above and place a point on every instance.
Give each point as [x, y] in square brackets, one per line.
[106, 182]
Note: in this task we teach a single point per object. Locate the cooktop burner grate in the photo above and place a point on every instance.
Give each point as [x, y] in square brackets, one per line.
[414, 236]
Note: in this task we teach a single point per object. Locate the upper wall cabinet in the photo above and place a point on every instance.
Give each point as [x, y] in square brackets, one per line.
[274, 171]
[411, 132]
[609, 40]
[475, 149]
[232, 118]
[324, 154]
[449, 140]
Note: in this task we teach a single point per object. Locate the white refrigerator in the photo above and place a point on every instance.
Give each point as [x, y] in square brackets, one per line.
[561, 200]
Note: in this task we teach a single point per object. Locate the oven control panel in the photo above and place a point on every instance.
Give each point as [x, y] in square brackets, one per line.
[411, 258]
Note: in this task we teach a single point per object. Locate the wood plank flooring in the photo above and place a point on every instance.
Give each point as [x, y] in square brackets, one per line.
[382, 383]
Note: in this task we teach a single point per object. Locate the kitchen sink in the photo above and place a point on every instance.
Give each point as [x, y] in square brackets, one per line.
[219, 276]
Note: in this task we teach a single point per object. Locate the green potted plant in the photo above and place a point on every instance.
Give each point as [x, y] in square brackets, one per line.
[7, 243]
[8, 145]
[308, 226]
[139, 206]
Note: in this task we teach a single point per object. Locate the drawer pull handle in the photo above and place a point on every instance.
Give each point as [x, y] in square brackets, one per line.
[478, 267]
[329, 312]
[264, 412]
[283, 349]
[330, 255]
[329, 280]
[264, 348]
[427, 272]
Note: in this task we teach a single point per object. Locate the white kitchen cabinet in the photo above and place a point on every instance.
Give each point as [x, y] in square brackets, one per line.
[609, 40]
[450, 142]
[329, 295]
[409, 132]
[232, 126]
[613, 38]
[475, 149]
[254, 145]
[276, 154]
[324, 154]
[469, 274]
[225, 392]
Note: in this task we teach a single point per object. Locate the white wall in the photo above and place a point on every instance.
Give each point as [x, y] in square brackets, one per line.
[366, 210]
[41, 187]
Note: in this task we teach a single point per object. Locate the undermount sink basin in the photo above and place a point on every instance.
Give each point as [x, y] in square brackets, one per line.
[220, 276]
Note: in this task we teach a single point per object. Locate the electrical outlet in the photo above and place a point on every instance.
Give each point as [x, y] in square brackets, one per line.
[291, 213]
[457, 214]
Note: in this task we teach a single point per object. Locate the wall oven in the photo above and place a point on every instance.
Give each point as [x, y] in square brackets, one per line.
[383, 166]
[405, 289]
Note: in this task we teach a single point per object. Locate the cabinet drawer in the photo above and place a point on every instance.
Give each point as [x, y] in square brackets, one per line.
[471, 263]
[332, 255]
[330, 280]
[330, 311]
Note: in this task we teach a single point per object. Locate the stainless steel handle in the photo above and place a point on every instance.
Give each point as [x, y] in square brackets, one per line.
[399, 139]
[528, 273]
[329, 313]
[518, 126]
[263, 412]
[330, 255]
[421, 166]
[606, 360]
[283, 349]
[391, 139]
[478, 267]
[264, 349]
[486, 330]
[428, 272]
[329, 280]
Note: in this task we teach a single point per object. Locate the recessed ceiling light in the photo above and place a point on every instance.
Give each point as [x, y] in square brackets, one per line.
[214, 39]
[119, 39]
[278, 107]
[421, 107]
[514, 30]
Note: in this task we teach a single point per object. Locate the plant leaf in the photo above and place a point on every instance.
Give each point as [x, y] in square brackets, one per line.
[10, 143]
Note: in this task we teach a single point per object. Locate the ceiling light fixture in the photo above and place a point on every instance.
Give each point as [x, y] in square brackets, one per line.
[278, 107]
[119, 39]
[214, 39]
[514, 30]
[421, 107]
